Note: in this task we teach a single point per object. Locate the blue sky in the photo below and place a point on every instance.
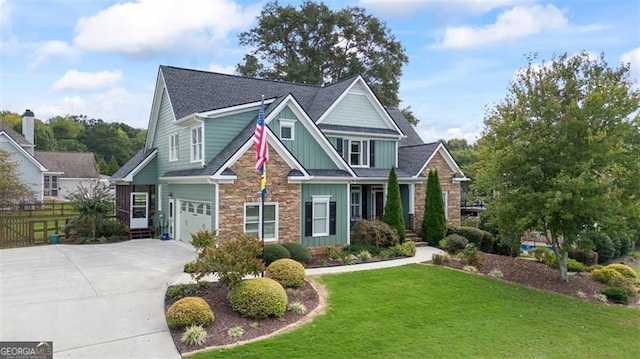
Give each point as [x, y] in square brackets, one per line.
[100, 58]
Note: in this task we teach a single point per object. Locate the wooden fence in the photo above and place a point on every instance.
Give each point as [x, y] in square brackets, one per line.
[21, 232]
[47, 209]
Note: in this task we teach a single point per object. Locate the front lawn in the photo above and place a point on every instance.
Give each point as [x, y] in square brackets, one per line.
[418, 311]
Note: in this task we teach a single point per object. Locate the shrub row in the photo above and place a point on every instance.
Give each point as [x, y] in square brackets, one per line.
[296, 251]
[483, 240]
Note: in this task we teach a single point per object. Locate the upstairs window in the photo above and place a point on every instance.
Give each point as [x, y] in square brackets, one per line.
[173, 147]
[287, 128]
[358, 154]
[196, 144]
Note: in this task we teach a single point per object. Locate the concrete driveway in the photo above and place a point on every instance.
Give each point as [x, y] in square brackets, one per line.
[92, 301]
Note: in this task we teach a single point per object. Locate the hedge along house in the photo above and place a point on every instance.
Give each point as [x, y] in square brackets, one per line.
[331, 149]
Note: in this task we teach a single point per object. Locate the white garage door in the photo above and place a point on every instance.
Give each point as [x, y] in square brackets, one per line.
[192, 217]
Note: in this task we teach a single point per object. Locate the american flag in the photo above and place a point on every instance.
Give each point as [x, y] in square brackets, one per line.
[260, 140]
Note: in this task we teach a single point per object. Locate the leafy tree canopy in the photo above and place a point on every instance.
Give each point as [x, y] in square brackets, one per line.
[315, 45]
[562, 150]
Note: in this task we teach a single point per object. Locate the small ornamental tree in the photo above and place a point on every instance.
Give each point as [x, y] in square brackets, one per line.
[434, 223]
[393, 208]
[94, 203]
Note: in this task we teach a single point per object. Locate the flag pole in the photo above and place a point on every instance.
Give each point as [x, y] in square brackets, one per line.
[263, 186]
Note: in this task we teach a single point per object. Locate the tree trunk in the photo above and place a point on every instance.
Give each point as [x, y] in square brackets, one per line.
[562, 263]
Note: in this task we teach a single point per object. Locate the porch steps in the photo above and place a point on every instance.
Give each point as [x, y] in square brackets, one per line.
[140, 233]
[415, 238]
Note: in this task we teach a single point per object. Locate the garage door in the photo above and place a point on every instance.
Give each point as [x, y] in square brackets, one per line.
[192, 217]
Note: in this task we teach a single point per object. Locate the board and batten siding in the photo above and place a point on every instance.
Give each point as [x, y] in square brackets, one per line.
[28, 172]
[385, 154]
[193, 192]
[338, 193]
[149, 174]
[164, 127]
[355, 110]
[304, 146]
[218, 132]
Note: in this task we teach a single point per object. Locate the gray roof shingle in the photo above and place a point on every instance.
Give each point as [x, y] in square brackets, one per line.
[4, 127]
[71, 164]
[412, 158]
[132, 163]
[408, 129]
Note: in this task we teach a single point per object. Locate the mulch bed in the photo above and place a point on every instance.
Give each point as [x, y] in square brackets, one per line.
[538, 275]
[226, 318]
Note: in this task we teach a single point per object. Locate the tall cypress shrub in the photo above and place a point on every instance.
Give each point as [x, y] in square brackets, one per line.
[393, 208]
[434, 223]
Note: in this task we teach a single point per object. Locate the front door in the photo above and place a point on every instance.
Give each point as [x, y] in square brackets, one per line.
[378, 202]
[139, 210]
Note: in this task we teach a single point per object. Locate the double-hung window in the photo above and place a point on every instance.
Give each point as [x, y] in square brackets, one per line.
[51, 185]
[252, 220]
[356, 202]
[196, 144]
[358, 153]
[320, 216]
[173, 147]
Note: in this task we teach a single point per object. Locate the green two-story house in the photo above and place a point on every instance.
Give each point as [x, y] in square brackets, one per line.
[331, 149]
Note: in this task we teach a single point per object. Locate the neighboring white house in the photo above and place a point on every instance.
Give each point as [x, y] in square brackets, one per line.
[51, 175]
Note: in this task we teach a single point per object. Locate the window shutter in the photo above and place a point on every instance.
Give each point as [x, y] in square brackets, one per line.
[339, 146]
[332, 218]
[308, 219]
[372, 153]
[345, 150]
[365, 203]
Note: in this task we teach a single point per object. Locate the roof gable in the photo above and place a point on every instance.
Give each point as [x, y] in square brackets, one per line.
[414, 159]
[70, 164]
[17, 137]
[22, 151]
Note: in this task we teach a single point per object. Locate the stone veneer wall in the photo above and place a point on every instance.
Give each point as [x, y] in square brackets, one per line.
[247, 189]
[445, 174]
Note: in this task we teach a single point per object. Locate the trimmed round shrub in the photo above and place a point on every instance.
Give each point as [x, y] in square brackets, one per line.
[625, 270]
[455, 242]
[287, 272]
[603, 246]
[273, 252]
[298, 252]
[625, 245]
[617, 245]
[259, 298]
[189, 311]
[608, 276]
[575, 266]
[617, 294]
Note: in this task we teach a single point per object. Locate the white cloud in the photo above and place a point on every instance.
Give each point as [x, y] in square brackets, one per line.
[76, 80]
[41, 52]
[518, 22]
[229, 69]
[145, 26]
[407, 7]
[633, 59]
[114, 105]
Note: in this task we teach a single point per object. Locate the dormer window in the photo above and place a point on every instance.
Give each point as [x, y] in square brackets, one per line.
[196, 144]
[287, 128]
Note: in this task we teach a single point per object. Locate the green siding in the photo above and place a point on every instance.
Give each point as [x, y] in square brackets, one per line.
[164, 128]
[338, 194]
[220, 131]
[304, 146]
[148, 175]
[385, 154]
[356, 110]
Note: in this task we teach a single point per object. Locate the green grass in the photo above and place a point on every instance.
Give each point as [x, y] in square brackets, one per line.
[419, 311]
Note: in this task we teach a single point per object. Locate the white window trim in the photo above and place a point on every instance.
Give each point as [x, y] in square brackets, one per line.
[192, 144]
[355, 189]
[326, 200]
[257, 204]
[363, 154]
[174, 147]
[284, 123]
[445, 199]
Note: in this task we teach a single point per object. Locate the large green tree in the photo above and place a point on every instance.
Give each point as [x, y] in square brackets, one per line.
[12, 188]
[434, 221]
[562, 151]
[313, 44]
[393, 208]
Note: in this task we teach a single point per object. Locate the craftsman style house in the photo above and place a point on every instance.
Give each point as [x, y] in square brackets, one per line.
[331, 149]
[50, 175]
